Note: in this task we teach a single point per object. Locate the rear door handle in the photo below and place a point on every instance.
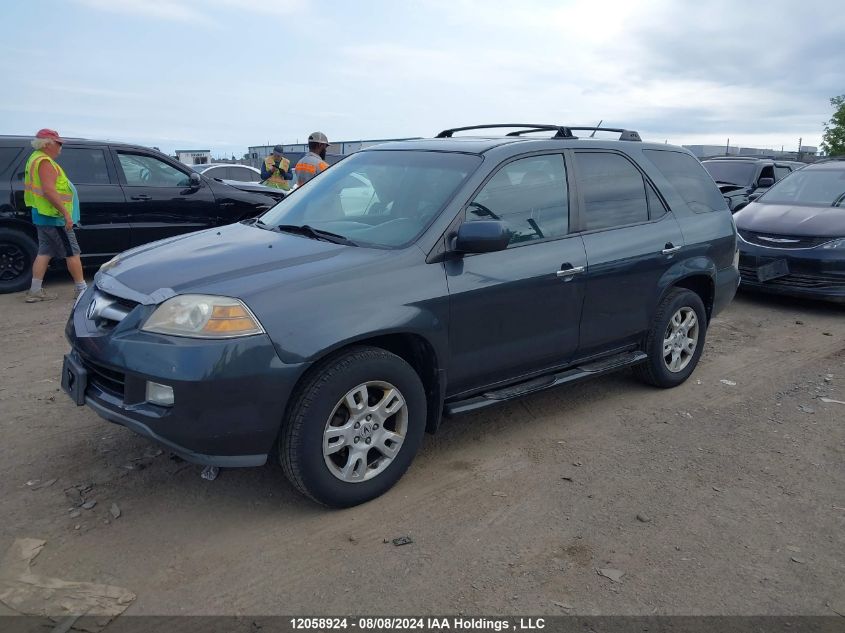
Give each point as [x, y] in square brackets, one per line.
[670, 248]
[140, 196]
[568, 272]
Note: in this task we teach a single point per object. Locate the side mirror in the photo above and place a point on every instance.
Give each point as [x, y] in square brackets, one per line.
[484, 236]
[765, 182]
[195, 179]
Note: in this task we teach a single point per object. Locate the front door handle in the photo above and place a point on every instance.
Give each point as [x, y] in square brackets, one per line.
[568, 272]
[141, 196]
[670, 248]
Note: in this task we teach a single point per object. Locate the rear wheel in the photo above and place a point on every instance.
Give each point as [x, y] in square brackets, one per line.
[354, 427]
[675, 340]
[17, 252]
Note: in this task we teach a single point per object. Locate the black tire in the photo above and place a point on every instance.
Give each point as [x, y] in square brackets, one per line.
[301, 440]
[655, 371]
[17, 252]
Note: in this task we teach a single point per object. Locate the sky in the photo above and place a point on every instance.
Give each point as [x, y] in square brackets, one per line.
[227, 74]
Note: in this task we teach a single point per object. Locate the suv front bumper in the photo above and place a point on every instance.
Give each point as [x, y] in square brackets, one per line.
[229, 395]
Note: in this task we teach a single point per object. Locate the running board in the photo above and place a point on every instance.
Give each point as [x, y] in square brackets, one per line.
[581, 372]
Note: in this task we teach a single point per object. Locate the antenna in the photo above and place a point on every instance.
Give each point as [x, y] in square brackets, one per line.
[597, 128]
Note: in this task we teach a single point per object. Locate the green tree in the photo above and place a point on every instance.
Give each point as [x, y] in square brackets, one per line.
[833, 140]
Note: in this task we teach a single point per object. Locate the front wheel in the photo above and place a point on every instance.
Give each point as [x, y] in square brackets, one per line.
[675, 341]
[354, 427]
[17, 252]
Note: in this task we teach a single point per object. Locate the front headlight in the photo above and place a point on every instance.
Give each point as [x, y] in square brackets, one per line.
[203, 316]
[838, 244]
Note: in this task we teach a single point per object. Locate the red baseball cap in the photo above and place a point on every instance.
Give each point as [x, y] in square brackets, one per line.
[50, 134]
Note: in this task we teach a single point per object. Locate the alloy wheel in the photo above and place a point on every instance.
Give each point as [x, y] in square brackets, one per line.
[680, 339]
[13, 261]
[365, 431]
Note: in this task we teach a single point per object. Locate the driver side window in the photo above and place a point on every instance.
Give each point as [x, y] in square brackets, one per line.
[529, 195]
[146, 171]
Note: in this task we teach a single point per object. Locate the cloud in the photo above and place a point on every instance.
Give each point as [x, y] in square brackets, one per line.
[682, 71]
[173, 10]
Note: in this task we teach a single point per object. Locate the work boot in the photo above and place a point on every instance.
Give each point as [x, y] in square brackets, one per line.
[39, 295]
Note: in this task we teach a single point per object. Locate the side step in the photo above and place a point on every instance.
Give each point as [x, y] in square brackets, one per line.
[581, 372]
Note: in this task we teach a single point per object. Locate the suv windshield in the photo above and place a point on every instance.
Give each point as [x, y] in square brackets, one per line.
[822, 187]
[735, 173]
[377, 198]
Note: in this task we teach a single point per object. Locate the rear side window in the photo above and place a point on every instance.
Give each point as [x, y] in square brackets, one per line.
[7, 156]
[689, 178]
[781, 172]
[613, 191]
[85, 165]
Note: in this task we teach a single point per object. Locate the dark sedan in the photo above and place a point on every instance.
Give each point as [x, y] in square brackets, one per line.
[792, 239]
[129, 196]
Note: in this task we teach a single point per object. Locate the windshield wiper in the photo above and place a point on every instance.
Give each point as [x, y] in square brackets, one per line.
[317, 234]
[838, 200]
[726, 182]
[255, 222]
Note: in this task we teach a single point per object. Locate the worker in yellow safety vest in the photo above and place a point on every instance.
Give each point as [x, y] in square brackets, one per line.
[54, 204]
[314, 162]
[275, 172]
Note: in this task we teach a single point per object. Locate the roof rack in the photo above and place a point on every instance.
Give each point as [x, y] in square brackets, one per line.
[624, 135]
[746, 157]
[561, 131]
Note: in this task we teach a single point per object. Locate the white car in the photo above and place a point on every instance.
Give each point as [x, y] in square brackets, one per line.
[229, 171]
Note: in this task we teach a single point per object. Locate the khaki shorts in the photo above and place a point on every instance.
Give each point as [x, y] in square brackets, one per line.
[57, 241]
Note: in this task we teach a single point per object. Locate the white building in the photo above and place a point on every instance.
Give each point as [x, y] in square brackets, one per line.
[193, 156]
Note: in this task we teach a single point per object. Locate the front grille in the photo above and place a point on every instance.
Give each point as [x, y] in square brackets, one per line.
[108, 380]
[748, 272]
[108, 310]
[774, 241]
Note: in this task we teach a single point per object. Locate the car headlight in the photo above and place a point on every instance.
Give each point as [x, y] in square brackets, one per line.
[203, 316]
[838, 244]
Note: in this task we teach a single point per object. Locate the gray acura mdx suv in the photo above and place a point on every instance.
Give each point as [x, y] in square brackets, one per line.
[410, 280]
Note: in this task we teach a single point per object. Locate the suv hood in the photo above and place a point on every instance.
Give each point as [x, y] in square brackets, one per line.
[787, 219]
[233, 260]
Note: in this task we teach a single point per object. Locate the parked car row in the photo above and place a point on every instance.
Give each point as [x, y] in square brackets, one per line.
[409, 281]
[742, 178]
[129, 195]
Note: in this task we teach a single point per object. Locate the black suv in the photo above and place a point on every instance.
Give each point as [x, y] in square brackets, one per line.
[411, 279]
[742, 179]
[129, 195]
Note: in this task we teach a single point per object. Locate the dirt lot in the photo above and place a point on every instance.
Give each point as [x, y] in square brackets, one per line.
[711, 498]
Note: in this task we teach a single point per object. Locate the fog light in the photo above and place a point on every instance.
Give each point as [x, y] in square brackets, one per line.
[159, 394]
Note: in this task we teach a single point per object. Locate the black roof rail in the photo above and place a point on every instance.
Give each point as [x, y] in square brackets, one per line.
[561, 131]
[748, 157]
[624, 135]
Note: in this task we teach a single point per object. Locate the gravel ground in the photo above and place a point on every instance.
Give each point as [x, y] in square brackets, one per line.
[725, 495]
